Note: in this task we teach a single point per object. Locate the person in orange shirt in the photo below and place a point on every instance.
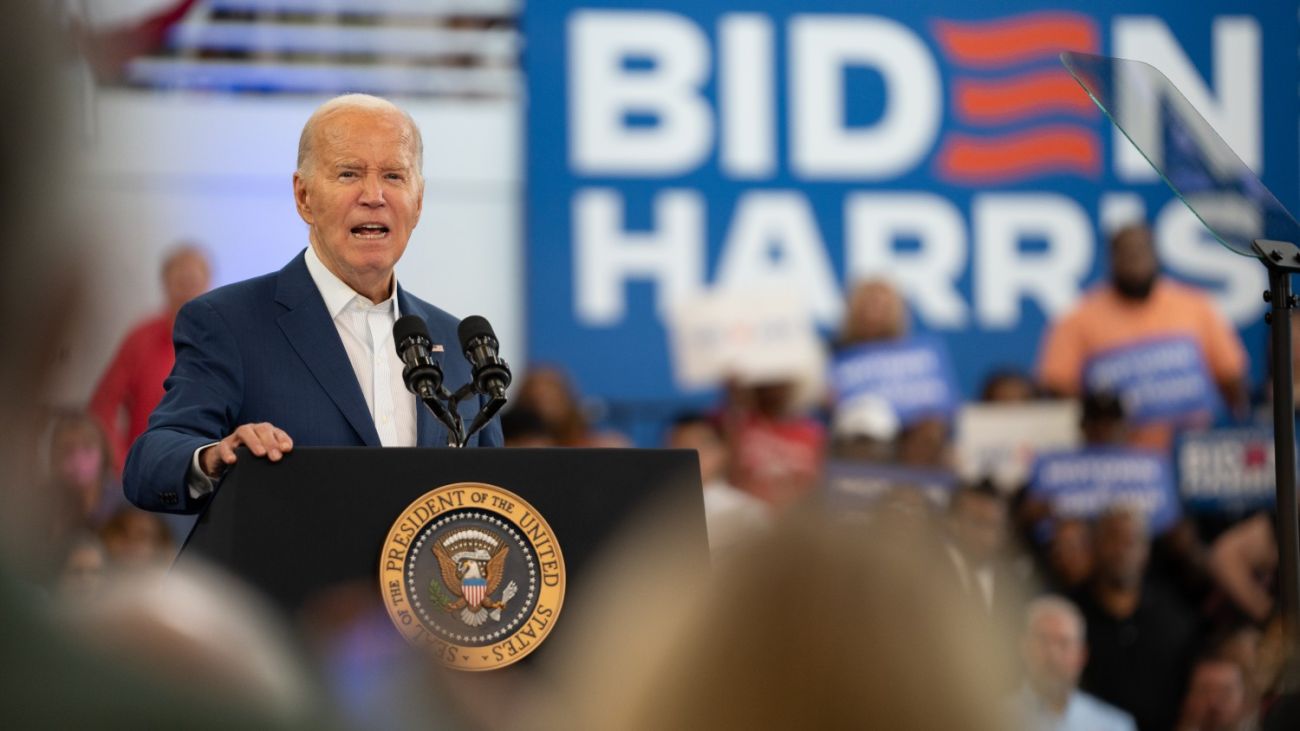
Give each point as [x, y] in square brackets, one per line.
[132, 385]
[1136, 306]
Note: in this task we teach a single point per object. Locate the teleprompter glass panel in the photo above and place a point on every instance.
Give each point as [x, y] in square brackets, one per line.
[1224, 193]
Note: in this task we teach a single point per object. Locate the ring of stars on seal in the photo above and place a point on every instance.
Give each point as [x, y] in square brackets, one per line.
[506, 529]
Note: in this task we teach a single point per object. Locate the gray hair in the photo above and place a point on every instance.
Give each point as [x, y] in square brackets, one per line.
[1054, 604]
[181, 250]
[363, 102]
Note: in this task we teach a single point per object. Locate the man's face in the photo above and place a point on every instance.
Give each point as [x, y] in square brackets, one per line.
[187, 276]
[1216, 696]
[1054, 651]
[703, 439]
[877, 312]
[1122, 548]
[361, 193]
[1071, 552]
[979, 525]
[1133, 264]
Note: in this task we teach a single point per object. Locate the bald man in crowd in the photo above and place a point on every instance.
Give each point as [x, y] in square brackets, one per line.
[305, 356]
[1133, 318]
[1054, 652]
[132, 385]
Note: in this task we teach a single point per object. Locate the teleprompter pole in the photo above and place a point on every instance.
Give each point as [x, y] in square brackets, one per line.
[1282, 260]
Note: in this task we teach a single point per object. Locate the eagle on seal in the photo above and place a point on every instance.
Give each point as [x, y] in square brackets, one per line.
[472, 586]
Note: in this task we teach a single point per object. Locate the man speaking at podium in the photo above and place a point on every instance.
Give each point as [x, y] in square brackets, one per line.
[305, 356]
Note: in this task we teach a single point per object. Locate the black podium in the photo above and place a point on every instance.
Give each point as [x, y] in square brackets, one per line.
[319, 517]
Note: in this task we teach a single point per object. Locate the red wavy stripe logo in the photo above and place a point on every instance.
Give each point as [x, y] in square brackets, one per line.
[1008, 41]
[980, 101]
[1061, 149]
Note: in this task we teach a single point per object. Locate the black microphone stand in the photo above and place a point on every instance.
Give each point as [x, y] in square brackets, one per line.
[443, 405]
[485, 412]
[1282, 259]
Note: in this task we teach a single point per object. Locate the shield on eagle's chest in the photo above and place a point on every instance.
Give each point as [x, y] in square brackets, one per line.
[474, 589]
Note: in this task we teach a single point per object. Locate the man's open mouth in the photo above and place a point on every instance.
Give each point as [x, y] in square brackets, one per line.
[370, 231]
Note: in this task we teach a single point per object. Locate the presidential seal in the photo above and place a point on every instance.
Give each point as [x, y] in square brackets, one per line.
[473, 573]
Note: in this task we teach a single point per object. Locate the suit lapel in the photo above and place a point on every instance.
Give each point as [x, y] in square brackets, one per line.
[308, 328]
[428, 431]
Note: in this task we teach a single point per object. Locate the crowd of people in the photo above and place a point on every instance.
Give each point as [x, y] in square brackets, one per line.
[987, 608]
[99, 533]
[1107, 623]
[1121, 623]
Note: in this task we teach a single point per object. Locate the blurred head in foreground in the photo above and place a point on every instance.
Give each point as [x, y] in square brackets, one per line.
[203, 627]
[814, 626]
[192, 655]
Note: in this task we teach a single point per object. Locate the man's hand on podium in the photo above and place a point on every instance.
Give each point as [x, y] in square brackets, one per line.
[263, 440]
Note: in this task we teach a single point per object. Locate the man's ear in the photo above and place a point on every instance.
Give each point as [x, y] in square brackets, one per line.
[300, 197]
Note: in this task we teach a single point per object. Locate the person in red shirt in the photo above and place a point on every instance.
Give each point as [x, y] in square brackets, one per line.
[777, 451]
[133, 384]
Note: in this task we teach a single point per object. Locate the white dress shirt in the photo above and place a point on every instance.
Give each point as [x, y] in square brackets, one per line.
[366, 330]
[973, 581]
[1082, 713]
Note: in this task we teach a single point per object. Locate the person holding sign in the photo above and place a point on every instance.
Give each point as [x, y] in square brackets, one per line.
[1162, 345]
[878, 365]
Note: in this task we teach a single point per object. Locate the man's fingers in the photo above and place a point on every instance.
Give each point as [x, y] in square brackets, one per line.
[249, 436]
[286, 443]
[263, 440]
[270, 440]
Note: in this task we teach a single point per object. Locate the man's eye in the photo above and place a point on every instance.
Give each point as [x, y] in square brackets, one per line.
[396, 176]
[347, 174]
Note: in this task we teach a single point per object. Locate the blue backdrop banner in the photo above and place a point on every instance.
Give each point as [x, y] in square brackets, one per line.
[681, 145]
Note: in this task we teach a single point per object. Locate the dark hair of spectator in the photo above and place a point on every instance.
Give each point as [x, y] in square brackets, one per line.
[983, 489]
[522, 422]
[1007, 374]
[1102, 406]
[694, 418]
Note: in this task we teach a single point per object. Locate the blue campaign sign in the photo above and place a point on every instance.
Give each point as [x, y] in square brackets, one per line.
[681, 145]
[858, 486]
[1159, 380]
[913, 375]
[1085, 483]
[1228, 470]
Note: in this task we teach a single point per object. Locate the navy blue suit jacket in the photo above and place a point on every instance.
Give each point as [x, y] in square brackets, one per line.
[265, 349]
